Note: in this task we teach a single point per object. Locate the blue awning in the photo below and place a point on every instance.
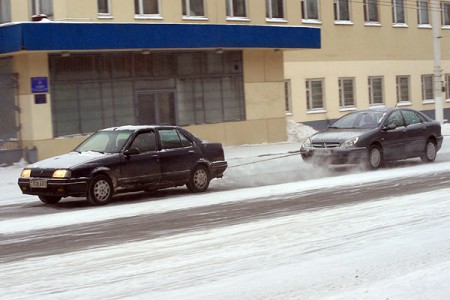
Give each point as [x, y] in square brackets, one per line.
[105, 36]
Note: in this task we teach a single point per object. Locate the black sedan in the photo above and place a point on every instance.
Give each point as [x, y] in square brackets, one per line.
[374, 136]
[122, 159]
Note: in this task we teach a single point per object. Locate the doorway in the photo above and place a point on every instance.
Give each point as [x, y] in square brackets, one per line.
[156, 108]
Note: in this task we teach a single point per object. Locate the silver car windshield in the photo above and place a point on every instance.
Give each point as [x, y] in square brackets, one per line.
[359, 120]
[105, 142]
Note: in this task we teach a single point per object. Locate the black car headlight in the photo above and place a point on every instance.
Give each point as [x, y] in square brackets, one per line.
[350, 142]
[26, 173]
[63, 173]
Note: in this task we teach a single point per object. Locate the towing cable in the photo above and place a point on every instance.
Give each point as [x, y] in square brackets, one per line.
[278, 156]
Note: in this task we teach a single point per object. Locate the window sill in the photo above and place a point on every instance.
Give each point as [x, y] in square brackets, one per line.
[276, 20]
[372, 24]
[316, 111]
[400, 25]
[424, 26]
[446, 27]
[405, 103]
[105, 17]
[289, 114]
[311, 21]
[238, 19]
[148, 17]
[194, 18]
[428, 101]
[378, 105]
[343, 109]
[343, 22]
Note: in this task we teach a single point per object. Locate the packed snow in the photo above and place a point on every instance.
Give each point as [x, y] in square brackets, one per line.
[392, 248]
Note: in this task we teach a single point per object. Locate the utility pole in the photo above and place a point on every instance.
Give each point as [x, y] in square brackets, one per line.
[436, 23]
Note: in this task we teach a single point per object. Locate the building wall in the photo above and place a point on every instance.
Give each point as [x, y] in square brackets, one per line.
[361, 50]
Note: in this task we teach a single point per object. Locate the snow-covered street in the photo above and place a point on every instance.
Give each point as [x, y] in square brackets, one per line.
[392, 247]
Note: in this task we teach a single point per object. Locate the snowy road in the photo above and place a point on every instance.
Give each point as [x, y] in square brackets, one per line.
[342, 234]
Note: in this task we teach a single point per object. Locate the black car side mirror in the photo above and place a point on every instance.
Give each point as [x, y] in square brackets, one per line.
[132, 151]
[391, 126]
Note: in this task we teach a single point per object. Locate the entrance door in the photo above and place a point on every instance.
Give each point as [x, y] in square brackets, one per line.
[156, 108]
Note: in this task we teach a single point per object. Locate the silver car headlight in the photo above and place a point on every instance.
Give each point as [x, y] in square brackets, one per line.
[350, 142]
[307, 143]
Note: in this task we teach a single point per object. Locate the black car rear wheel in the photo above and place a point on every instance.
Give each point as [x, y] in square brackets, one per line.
[199, 180]
[375, 157]
[49, 199]
[100, 190]
[430, 152]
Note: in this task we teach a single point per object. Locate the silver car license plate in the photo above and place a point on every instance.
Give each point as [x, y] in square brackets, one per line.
[322, 152]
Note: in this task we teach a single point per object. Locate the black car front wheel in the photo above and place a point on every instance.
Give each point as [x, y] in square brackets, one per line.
[49, 199]
[100, 190]
[199, 180]
[375, 157]
[430, 152]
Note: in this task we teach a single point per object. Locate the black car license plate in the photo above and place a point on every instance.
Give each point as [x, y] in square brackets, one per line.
[38, 183]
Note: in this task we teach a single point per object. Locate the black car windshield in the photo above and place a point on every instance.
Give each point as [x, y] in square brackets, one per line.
[105, 141]
[359, 120]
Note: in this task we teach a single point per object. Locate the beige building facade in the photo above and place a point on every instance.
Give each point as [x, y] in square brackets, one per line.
[374, 53]
[215, 67]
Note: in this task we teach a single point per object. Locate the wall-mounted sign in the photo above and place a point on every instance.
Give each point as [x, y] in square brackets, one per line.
[39, 84]
[40, 98]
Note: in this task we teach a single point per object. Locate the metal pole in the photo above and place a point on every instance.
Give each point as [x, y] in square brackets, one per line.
[435, 18]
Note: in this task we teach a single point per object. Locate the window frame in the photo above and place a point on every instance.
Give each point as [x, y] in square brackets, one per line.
[342, 81]
[309, 91]
[186, 4]
[269, 10]
[36, 8]
[426, 89]
[339, 16]
[369, 13]
[230, 10]
[447, 87]
[5, 11]
[288, 96]
[399, 80]
[372, 90]
[396, 5]
[445, 13]
[423, 13]
[305, 5]
[139, 12]
[108, 12]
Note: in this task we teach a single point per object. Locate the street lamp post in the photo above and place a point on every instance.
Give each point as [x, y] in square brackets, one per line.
[435, 18]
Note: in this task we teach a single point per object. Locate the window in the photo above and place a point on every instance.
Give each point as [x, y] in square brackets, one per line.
[287, 96]
[376, 90]
[396, 118]
[93, 91]
[447, 86]
[427, 88]
[236, 8]
[371, 11]
[275, 9]
[171, 138]
[144, 142]
[314, 94]
[398, 12]
[411, 117]
[39, 7]
[423, 15]
[193, 8]
[346, 92]
[445, 13]
[403, 89]
[310, 9]
[104, 7]
[341, 10]
[5, 11]
[146, 7]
